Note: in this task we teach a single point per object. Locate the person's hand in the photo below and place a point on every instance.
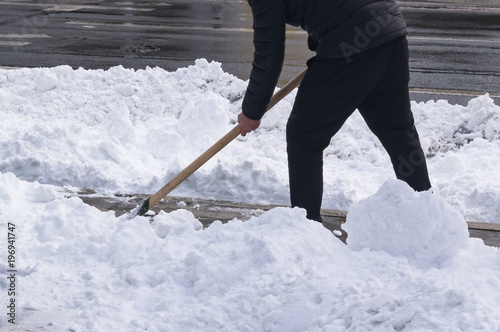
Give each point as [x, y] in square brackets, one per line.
[246, 124]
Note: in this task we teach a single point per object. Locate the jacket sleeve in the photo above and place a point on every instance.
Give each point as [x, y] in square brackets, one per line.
[269, 43]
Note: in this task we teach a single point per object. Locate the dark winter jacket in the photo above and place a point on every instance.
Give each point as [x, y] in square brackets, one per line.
[336, 28]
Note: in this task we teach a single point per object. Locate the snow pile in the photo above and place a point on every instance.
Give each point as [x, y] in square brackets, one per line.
[408, 266]
[419, 226]
[79, 269]
[462, 148]
[96, 129]
[480, 120]
[124, 130]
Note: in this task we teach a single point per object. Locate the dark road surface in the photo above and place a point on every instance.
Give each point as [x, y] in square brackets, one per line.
[455, 44]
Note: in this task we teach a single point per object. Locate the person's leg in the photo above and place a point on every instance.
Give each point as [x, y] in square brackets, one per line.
[387, 112]
[311, 125]
[329, 93]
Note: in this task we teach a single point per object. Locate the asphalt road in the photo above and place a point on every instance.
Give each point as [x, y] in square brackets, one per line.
[454, 44]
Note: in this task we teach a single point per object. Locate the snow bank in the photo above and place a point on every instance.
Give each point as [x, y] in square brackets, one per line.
[462, 145]
[124, 130]
[79, 269]
[418, 226]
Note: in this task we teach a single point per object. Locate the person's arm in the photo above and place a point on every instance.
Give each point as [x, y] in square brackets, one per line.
[269, 42]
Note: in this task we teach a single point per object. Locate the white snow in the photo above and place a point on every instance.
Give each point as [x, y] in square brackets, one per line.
[409, 264]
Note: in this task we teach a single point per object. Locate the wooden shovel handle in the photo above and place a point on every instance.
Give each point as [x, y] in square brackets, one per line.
[219, 145]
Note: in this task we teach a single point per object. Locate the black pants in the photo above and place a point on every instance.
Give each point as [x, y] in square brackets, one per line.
[376, 83]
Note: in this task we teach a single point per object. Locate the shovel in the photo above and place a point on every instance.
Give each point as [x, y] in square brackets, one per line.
[209, 153]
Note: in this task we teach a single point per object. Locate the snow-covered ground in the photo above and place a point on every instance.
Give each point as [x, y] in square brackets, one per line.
[409, 264]
[122, 130]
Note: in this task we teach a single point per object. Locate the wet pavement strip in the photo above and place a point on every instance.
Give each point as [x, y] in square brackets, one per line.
[209, 210]
[454, 44]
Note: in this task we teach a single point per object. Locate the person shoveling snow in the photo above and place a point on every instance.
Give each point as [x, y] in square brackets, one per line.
[361, 63]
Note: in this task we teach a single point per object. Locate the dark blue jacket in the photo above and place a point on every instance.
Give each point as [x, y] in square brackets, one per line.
[336, 29]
